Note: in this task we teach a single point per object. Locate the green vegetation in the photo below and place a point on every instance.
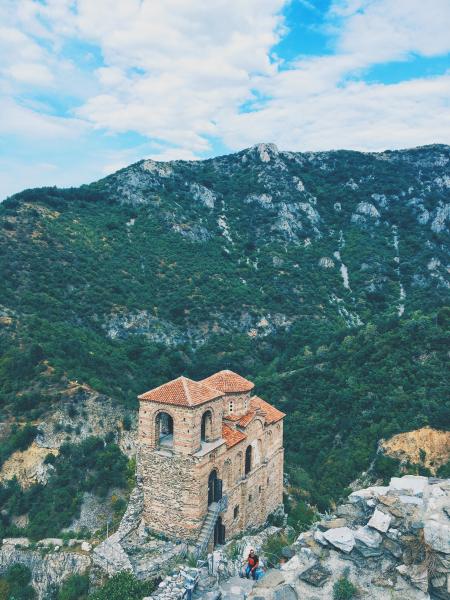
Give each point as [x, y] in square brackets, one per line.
[444, 470]
[19, 439]
[272, 548]
[75, 587]
[124, 297]
[121, 586]
[15, 584]
[92, 466]
[344, 589]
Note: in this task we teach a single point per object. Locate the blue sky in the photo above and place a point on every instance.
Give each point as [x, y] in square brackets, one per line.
[89, 87]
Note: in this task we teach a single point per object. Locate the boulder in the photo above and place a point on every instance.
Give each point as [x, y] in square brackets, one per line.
[342, 538]
[47, 542]
[332, 524]
[19, 541]
[380, 521]
[437, 535]
[86, 546]
[272, 578]
[285, 592]
[411, 500]
[392, 547]
[416, 574]
[320, 538]
[415, 484]
[298, 563]
[317, 575]
[368, 537]
[287, 552]
[368, 493]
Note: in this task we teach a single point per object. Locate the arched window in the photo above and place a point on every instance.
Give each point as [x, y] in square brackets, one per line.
[206, 427]
[214, 487]
[164, 430]
[248, 460]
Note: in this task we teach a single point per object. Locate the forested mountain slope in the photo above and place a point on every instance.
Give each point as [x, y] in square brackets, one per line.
[324, 276]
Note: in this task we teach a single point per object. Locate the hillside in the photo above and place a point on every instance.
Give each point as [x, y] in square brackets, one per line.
[323, 276]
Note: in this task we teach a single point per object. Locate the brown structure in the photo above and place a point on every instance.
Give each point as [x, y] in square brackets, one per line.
[211, 458]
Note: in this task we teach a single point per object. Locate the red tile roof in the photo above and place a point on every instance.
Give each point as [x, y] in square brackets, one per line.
[182, 392]
[272, 414]
[231, 436]
[245, 419]
[229, 382]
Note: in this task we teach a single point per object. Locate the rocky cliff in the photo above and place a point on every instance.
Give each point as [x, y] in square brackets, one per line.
[389, 542]
[386, 542]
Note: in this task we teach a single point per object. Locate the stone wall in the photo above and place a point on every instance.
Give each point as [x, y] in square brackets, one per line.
[236, 404]
[186, 424]
[175, 479]
[173, 498]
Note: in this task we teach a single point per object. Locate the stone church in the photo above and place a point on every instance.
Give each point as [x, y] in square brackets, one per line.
[210, 458]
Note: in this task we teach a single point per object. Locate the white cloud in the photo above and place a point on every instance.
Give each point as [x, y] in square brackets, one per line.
[356, 115]
[382, 30]
[16, 119]
[178, 72]
[31, 73]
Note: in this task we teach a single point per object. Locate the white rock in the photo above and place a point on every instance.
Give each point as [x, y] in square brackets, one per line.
[319, 537]
[19, 541]
[86, 546]
[416, 484]
[368, 493]
[411, 500]
[368, 537]
[437, 535]
[326, 262]
[341, 537]
[436, 491]
[366, 208]
[380, 521]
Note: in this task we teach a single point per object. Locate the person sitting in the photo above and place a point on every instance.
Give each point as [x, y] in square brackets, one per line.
[251, 564]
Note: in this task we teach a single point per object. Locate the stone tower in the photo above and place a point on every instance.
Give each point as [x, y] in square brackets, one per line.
[209, 449]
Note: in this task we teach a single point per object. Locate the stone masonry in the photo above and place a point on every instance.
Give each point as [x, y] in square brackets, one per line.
[202, 441]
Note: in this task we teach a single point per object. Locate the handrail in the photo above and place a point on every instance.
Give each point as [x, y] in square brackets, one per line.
[220, 506]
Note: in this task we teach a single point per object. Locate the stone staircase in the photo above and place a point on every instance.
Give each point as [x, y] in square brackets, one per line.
[214, 511]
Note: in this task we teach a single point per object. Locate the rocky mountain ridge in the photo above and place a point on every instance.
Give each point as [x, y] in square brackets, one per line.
[321, 276]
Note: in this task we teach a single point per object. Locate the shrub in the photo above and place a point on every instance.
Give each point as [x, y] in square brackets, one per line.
[18, 578]
[343, 589]
[273, 548]
[123, 586]
[75, 587]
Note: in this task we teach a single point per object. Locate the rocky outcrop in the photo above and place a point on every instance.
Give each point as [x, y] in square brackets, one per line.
[49, 566]
[391, 542]
[122, 325]
[426, 446]
[28, 466]
[83, 412]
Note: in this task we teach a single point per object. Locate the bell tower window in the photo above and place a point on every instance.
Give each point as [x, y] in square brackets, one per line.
[164, 430]
[206, 426]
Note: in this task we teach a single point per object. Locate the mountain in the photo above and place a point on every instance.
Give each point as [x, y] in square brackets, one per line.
[323, 276]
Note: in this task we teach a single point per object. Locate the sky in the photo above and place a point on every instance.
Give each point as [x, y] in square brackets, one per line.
[88, 87]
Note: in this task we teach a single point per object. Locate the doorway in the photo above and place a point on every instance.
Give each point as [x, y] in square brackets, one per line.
[219, 532]
[214, 487]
